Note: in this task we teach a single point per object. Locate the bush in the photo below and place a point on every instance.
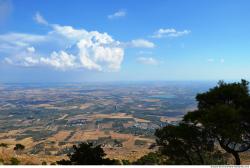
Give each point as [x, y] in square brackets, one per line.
[87, 154]
[14, 161]
[44, 163]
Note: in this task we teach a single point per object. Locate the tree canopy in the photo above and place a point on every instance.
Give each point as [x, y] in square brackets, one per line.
[152, 158]
[19, 147]
[224, 112]
[187, 144]
[87, 154]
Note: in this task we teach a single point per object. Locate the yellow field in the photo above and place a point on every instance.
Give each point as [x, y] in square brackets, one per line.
[60, 136]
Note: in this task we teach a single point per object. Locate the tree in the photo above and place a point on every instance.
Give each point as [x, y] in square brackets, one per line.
[152, 158]
[224, 112]
[125, 162]
[14, 161]
[44, 163]
[87, 154]
[1, 161]
[3, 146]
[19, 148]
[186, 144]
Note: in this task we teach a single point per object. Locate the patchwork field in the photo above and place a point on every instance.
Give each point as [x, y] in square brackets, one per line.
[49, 120]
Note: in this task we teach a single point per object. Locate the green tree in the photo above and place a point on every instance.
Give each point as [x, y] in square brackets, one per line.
[125, 162]
[44, 163]
[87, 154]
[3, 146]
[19, 148]
[152, 158]
[224, 112]
[1, 161]
[186, 144]
[14, 161]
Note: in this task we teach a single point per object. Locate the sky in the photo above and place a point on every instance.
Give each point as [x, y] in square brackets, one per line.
[124, 40]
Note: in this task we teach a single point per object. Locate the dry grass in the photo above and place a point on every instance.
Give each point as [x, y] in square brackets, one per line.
[151, 100]
[141, 120]
[112, 115]
[60, 136]
[85, 106]
[81, 135]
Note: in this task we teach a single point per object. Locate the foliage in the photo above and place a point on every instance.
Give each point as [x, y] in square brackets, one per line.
[44, 163]
[224, 112]
[19, 147]
[14, 161]
[3, 145]
[87, 154]
[186, 144]
[125, 162]
[152, 158]
[1, 161]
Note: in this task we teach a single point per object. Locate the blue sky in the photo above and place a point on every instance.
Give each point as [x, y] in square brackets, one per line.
[115, 40]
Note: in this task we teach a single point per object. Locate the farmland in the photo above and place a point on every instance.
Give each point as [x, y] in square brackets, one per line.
[122, 117]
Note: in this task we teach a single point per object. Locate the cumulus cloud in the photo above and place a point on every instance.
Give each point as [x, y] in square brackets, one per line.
[39, 19]
[147, 61]
[65, 47]
[170, 33]
[31, 49]
[118, 14]
[60, 60]
[77, 48]
[141, 43]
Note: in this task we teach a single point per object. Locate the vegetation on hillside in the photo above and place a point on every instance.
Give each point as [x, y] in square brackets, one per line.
[87, 154]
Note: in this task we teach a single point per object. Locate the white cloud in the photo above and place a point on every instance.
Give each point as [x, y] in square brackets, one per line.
[65, 47]
[141, 43]
[39, 19]
[147, 61]
[69, 32]
[60, 60]
[170, 33]
[16, 38]
[92, 54]
[12, 43]
[69, 48]
[31, 49]
[29, 61]
[118, 14]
